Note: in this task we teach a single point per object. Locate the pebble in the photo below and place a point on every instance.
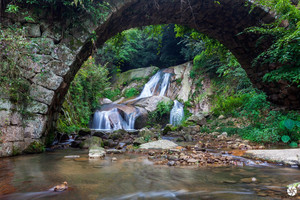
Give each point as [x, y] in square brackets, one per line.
[72, 156]
[171, 163]
[114, 159]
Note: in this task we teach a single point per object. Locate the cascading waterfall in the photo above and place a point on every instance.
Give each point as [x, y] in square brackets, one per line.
[112, 120]
[177, 113]
[109, 120]
[164, 84]
[158, 83]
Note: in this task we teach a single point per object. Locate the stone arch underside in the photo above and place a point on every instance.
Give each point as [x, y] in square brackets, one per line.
[222, 20]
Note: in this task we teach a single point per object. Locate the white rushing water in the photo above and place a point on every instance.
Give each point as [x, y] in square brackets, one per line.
[112, 119]
[165, 83]
[177, 114]
[158, 83]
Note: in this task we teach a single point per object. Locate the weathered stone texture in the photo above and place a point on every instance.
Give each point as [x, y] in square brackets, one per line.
[36, 127]
[41, 94]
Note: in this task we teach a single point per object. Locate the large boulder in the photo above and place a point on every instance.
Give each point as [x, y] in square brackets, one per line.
[146, 133]
[159, 144]
[198, 119]
[150, 103]
[92, 141]
[84, 132]
[104, 101]
[142, 118]
[96, 152]
[135, 74]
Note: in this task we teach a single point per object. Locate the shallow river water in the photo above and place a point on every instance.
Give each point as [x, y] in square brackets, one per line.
[134, 177]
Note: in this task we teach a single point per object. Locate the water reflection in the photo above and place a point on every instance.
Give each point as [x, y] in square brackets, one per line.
[134, 177]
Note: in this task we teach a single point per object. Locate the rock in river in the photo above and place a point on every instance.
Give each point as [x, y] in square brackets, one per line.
[160, 144]
[96, 152]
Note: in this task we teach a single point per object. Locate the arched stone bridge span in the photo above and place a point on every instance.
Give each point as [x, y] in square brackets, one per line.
[68, 46]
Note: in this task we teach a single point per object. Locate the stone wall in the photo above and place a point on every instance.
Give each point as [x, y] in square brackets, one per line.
[68, 46]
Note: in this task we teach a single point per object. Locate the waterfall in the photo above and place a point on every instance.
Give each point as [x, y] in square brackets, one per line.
[158, 83]
[164, 84]
[177, 113]
[110, 118]
[150, 86]
[113, 120]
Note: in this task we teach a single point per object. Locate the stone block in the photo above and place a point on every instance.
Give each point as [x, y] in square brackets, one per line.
[5, 104]
[33, 30]
[35, 127]
[19, 146]
[12, 133]
[58, 68]
[6, 149]
[41, 94]
[48, 80]
[4, 118]
[37, 107]
[63, 53]
[16, 119]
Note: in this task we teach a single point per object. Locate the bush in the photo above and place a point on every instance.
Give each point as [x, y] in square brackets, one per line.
[112, 94]
[35, 147]
[228, 105]
[131, 92]
[266, 135]
[162, 113]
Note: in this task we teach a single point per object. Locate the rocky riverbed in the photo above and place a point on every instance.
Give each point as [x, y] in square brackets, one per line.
[185, 147]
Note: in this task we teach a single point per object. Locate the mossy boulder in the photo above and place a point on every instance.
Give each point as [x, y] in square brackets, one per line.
[139, 141]
[35, 147]
[92, 141]
[146, 133]
[84, 132]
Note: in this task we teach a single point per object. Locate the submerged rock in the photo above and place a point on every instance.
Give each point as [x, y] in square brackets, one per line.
[96, 152]
[160, 144]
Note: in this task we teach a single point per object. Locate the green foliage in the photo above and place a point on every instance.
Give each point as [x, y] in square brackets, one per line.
[285, 138]
[112, 94]
[291, 128]
[71, 8]
[266, 135]
[162, 113]
[285, 34]
[35, 147]
[131, 92]
[90, 84]
[228, 105]
[293, 144]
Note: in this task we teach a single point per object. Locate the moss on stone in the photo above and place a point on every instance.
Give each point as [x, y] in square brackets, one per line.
[35, 147]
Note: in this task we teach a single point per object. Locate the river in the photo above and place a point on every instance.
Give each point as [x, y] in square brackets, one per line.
[132, 176]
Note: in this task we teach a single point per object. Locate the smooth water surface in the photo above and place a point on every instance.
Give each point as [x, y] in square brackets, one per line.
[134, 177]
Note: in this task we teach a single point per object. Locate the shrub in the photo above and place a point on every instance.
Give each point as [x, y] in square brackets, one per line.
[228, 105]
[131, 92]
[35, 147]
[162, 113]
[266, 135]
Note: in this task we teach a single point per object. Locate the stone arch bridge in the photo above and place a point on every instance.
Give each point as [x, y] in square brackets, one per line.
[68, 46]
